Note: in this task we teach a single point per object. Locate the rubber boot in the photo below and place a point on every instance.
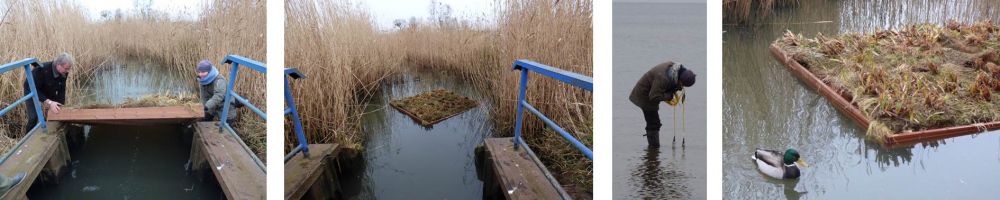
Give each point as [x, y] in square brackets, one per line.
[653, 138]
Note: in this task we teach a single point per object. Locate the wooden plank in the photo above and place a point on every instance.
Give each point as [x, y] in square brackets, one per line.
[910, 138]
[32, 157]
[130, 116]
[234, 168]
[518, 175]
[840, 100]
[301, 173]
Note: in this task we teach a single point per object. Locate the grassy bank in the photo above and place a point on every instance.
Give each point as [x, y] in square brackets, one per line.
[43, 29]
[920, 77]
[346, 57]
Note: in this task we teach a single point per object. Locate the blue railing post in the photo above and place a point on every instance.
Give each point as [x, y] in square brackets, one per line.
[574, 79]
[520, 108]
[292, 110]
[303, 146]
[237, 62]
[32, 95]
[229, 94]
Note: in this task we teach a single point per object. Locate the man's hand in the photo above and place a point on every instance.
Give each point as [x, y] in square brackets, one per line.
[54, 106]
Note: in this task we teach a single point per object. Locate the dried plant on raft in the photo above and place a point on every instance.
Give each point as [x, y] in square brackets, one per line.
[917, 78]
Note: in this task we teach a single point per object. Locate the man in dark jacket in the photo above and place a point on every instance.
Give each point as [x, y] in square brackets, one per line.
[659, 85]
[50, 81]
[213, 92]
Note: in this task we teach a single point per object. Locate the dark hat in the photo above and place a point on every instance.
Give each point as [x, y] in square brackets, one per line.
[686, 76]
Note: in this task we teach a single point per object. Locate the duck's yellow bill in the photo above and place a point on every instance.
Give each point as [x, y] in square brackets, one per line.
[802, 163]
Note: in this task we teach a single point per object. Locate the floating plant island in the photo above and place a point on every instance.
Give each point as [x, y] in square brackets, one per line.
[922, 82]
[431, 107]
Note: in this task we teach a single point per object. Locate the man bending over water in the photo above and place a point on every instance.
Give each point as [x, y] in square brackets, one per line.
[659, 85]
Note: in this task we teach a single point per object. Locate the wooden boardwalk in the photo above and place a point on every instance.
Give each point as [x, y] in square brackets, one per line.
[314, 175]
[516, 173]
[45, 150]
[234, 168]
[130, 116]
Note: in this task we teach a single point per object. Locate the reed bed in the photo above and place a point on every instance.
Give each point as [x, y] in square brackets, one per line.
[745, 11]
[346, 58]
[920, 77]
[43, 29]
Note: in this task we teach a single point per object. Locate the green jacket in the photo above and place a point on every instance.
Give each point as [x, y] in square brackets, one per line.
[657, 85]
[213, 95]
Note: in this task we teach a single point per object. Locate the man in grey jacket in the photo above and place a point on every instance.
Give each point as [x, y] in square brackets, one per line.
[658, 85]
[213, 92]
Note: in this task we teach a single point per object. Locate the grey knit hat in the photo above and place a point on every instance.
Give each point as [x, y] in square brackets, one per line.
[205, 66]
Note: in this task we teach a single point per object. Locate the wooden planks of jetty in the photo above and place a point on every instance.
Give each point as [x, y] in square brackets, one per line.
[234, 168]
[841, 102]
[314, 177]
[514, 173]
[130, 116]
[44, 152]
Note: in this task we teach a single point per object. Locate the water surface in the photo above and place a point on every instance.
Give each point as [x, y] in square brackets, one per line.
[130, 162]
[121, 79]
[404, 160]
[647, 34]
[765, 106]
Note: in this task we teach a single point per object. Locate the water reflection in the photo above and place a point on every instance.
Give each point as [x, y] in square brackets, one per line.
[766, 107]
[659, 180]
[122, 79]
[401, 156]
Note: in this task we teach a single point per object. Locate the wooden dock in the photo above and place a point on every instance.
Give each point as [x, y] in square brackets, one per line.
[314, 177]
[42, 155]
[515, 173]
[130, 116]
[234, 168]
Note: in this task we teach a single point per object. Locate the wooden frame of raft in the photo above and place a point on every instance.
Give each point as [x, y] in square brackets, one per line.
[430, 122]
[841, 103]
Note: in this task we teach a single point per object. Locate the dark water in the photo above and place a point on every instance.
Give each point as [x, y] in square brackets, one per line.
[130, 162]
[767, 107]
[121, 79]
[404, 160]
[647, 34]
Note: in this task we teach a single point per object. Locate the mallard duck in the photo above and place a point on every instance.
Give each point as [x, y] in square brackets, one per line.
[779, 165]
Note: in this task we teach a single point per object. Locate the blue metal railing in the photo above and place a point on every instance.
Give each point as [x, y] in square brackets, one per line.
[303, 145]
[574, 79]
[236, 62]
[33, 96]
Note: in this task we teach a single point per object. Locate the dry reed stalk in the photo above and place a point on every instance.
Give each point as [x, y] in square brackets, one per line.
[744, 11]
[346, 59]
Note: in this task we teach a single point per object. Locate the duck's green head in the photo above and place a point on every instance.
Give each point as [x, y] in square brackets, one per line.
[791, 156]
